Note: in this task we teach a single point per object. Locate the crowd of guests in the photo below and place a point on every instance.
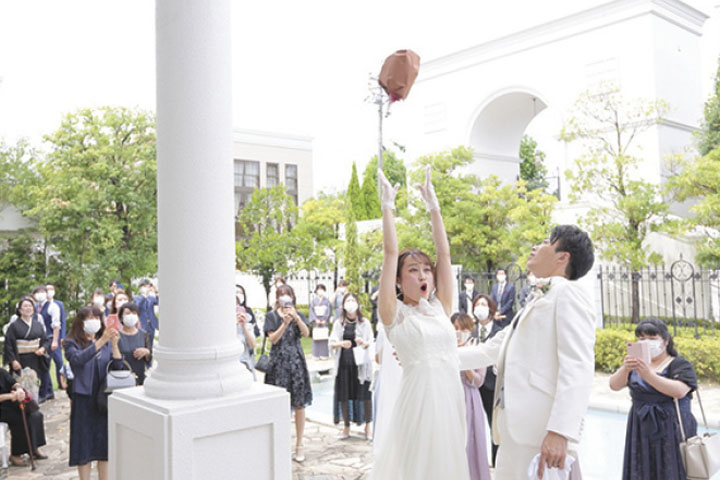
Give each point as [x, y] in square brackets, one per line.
[112, 332]
[116, 331]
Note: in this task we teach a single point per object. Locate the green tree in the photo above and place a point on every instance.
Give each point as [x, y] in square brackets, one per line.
[626, 208]
[395, 171]
[22, 264]
[352, 258]
[94, 196]
[532, 167]
[354, 195]
[488, 223]
[709, 134]
[371, 200]
[699, 179]
[268, 242]
[320, 223]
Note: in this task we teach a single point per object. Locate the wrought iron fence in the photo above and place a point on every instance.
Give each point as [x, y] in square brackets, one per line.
[681, 294]
[485, 279]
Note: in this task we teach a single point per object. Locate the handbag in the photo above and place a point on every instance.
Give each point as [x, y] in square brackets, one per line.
[117, 379]
[263, 363]
[700, 454]
[320, 333]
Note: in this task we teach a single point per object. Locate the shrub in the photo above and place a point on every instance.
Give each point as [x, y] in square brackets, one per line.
[703, 353]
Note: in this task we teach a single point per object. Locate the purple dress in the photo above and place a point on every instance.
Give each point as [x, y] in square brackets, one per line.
[476, 442]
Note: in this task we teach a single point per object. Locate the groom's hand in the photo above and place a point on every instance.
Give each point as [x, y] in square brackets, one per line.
[552, 452]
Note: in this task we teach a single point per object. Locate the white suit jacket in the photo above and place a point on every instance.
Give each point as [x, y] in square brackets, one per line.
[549, 364]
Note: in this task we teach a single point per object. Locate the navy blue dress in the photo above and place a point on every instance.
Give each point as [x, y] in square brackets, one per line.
[288, 368]
[652, 440]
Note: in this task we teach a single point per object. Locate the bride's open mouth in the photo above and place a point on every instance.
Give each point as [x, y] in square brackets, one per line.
[424, 288]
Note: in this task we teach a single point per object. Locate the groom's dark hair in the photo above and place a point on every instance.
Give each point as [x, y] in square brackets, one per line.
[569, 238]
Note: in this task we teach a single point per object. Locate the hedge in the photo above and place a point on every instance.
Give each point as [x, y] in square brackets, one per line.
[703, 353]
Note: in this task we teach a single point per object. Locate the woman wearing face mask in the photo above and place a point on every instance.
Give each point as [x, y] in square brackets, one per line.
[26, 340]
[483, 309]
[90, 347]
[98, 300]
[241, 307]
[134, 342]
[284, 326]
[320, 312]
[472, 379]
[653, 433]
[353, 368]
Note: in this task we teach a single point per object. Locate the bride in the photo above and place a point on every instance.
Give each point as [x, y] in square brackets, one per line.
[425, 436]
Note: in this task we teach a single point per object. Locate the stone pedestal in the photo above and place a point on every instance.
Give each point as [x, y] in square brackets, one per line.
[244, 435]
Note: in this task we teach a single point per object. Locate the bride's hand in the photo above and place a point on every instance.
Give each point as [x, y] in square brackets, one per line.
[427, 192]
[388, 192]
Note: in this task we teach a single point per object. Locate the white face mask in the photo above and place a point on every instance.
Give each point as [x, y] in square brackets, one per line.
[130, 320]
[285, 301]
[320, 293]
[91, 326]
[481, 312]
[351, 307]
[143, 291]
[151, 293]
[501, 278]
[99, 302]
[41, 297]
[655, 345]
[469, 287]
[51, 294]
[240, 298]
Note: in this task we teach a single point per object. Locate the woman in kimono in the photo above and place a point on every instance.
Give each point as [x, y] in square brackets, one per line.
[320, 311]
[652, 439]
[26, 341]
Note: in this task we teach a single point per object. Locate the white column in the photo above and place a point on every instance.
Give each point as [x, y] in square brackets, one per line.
[198, 348]
[199, 414]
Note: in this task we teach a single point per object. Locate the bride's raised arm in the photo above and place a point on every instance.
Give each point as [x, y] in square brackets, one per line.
[386, 294]
[443, 271]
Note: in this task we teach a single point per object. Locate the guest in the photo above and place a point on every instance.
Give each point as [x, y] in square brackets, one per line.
[241, 301]
[119, 299]
[503, 293]
[374, 292]
[653, 434]
[90, 347]
[337, 298]
[245, 335]
[51, 317]
[98, 300]
[352, 379]
[527, 289]
[484, 309]
[11, 396]
[58, 334]
[466, 297]
[320, 311]
[134, 343]
[26, 340]
[284, 326]
[476, 447]
[146, 302]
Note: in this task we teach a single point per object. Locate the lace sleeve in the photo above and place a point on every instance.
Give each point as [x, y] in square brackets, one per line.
[399, 316]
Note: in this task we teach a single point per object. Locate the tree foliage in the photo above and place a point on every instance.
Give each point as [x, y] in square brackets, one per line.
[94, 196]
[320, 225]
[356, 200]
[371, 200]
[532, 167]
[699, 179]
[709, 134]
[396, 173]
[352, 257]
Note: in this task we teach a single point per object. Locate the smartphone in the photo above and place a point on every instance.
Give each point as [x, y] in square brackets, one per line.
[639, 350]
[239, 309]
[112, 322]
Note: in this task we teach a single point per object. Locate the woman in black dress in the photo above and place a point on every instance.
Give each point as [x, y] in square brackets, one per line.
[284, 326]
[653, 436]
[11, 394]
[90, 347]
[26, 341]
[353, 368]
[134, 342]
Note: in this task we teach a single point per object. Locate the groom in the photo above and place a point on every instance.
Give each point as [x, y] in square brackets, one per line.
[545, 361]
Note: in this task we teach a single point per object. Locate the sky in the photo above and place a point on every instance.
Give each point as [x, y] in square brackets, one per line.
[299, 67]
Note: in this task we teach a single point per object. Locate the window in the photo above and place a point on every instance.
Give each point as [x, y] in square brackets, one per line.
[291, 181]
[247, 179]
[273, 175]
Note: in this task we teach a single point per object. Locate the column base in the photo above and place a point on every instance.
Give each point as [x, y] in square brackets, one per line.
[243, 435]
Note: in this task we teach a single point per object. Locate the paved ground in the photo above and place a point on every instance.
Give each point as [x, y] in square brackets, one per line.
[328, 458]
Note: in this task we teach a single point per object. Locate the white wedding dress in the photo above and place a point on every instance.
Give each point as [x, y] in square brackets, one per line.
[425, 436]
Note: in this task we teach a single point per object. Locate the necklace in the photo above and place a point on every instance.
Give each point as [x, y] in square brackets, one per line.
[351, 321]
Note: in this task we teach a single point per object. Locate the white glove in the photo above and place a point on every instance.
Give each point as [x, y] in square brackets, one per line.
[427, 192]
[388, 192]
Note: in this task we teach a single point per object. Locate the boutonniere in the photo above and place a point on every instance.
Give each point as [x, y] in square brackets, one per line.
[542, 287]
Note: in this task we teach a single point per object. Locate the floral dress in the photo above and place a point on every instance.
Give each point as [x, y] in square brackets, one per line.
[288, 368]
